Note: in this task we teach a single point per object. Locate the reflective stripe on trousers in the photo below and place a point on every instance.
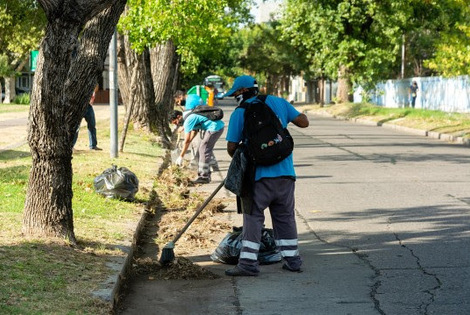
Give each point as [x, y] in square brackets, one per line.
[277, 194]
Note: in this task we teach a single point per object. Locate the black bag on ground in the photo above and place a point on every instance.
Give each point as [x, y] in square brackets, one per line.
[118, 183]
[229, 248]
[211, 112]
[268, 142]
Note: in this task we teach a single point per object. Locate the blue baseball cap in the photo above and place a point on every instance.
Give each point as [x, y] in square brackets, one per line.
[193, 100]
[244, 81]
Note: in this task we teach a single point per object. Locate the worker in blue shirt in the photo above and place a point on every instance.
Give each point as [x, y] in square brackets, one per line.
[273, 188]
[193, 124]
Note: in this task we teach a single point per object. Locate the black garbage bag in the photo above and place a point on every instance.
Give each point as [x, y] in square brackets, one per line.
[236, 172]
[118, 183]
[229, 248]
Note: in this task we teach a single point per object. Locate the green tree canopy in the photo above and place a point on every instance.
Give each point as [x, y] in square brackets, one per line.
[195, 27]
[21, 28]
[363, 36]
[451, 56]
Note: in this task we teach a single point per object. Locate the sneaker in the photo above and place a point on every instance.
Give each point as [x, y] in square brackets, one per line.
[96, 149]
[202, 180]
[286, 267]
[237, 272]
[214, 164]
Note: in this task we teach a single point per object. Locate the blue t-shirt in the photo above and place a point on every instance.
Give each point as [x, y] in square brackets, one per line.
[199, 122]
[286, 113]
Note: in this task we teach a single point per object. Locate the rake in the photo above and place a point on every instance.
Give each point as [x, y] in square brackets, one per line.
[168, 254]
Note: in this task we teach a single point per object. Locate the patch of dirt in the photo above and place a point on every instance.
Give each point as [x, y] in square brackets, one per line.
[171, 206]
[180, 268]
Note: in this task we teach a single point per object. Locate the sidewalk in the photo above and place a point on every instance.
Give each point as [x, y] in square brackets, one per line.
[14, 126]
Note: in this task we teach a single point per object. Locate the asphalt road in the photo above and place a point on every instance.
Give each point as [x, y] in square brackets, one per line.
[384, 228]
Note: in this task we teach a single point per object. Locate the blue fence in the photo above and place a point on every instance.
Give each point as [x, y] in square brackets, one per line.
[435, 93]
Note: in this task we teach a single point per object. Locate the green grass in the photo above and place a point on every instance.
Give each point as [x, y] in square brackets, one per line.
[10, 108]
[457, 124]
[46, 277]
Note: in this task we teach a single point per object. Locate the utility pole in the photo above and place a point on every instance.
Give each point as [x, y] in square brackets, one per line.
[113, 97]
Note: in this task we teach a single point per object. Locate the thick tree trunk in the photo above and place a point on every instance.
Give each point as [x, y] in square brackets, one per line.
[125, 64]
[344, 86]
[141, 94]
[143, 114]
[70, 59]
[164, 68]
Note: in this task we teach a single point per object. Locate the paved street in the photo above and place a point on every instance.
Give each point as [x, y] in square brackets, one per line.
[384, 226]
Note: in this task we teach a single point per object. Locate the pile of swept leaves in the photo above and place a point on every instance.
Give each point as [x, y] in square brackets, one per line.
[175, 203]
[178, 206]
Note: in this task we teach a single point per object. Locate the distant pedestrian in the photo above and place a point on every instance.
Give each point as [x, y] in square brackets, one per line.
[273, 187]
[413, 93]
[91, 124]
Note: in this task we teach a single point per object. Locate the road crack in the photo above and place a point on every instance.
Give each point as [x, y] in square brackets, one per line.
[361, 256]
[424, 306]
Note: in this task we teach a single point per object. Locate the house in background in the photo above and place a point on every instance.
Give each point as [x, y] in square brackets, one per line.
[24, 83]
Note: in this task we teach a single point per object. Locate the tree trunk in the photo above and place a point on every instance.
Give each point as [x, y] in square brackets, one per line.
[71, 56]
[125, 64]
[129, 110]
[344, 86]
[143, 114]
[9, 82]
[164, 69]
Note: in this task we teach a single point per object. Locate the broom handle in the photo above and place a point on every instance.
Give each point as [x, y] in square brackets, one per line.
[199, 211]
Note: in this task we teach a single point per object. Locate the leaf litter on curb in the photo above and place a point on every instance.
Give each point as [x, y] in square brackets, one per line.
[172, 208]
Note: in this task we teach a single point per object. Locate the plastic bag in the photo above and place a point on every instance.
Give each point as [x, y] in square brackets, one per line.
[236, 172]
[118, 183]
[229, 248]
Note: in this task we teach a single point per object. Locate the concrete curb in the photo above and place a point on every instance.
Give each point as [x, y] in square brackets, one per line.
[420, 132]
[124, 272]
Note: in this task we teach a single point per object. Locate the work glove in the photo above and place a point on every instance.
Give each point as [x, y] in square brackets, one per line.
[179, 161]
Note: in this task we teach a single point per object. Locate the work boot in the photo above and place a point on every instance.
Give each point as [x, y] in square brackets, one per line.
[285, 266]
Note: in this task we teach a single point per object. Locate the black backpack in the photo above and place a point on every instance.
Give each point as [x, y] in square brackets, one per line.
[267, 141]
[211, 112]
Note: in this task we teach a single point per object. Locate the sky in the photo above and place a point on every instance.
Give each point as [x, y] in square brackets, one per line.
[262, 10]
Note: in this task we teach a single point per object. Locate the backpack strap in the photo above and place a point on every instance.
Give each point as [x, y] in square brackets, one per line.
[262, 98]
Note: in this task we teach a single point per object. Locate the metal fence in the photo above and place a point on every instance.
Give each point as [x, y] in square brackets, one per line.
[435, 93]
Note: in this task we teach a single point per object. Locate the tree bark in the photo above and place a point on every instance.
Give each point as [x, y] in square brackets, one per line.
[344, 86]
[129, 110]
[71, 56]
[143, 114]
[164, 69]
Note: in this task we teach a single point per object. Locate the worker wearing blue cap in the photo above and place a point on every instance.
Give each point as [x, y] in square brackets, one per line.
[273, 187]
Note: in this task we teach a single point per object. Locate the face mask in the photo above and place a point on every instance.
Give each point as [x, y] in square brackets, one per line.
[245, 95]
